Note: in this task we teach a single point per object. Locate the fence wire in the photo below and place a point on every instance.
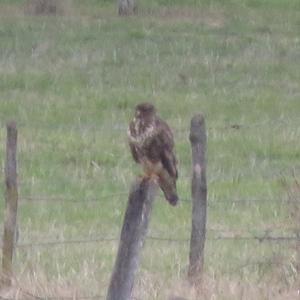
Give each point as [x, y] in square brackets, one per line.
[218, 235]
[118, 196]
[263, 237]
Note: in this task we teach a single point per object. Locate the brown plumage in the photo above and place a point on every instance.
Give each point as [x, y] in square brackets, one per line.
[152, 145]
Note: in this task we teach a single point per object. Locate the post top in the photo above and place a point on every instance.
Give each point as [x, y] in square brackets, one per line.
[197, 119]
[11, 124]
[198, 131]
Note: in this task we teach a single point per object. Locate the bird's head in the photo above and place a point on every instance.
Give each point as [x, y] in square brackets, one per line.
[145, 111]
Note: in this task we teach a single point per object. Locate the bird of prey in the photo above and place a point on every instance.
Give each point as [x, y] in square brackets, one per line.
[152, 145]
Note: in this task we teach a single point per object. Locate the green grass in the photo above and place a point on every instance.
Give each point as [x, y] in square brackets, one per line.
[71, 83]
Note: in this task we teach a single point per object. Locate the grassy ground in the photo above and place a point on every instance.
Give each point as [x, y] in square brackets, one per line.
[71, 82]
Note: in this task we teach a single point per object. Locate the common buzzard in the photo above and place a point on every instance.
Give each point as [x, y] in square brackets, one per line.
[151, 143]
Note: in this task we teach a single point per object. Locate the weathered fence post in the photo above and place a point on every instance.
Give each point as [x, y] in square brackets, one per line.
[11, 204]
[132, 238]
[127, 7]
[199, 196]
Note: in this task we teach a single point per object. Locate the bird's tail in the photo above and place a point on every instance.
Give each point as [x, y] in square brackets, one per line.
[168, 186]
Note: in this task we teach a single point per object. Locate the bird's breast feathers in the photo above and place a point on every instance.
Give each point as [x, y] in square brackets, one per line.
[138, 137]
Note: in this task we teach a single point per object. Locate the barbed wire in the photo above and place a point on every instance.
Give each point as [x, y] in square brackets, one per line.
[66, 242]
[59, 297]
[263, 237]
[37, 297]
[117, 196]
[29, 199]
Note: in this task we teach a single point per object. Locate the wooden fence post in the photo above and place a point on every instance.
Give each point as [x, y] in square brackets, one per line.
[11, 204]
[132, 238]
[199, 196]
[127, 7]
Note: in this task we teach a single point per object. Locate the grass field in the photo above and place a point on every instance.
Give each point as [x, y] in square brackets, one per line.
[71, 83]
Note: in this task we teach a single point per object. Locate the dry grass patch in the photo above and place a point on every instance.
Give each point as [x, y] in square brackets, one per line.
[48, 7]
[10, 10]
[293, 201]
[211, 18]
[37, 285]
[234, 289]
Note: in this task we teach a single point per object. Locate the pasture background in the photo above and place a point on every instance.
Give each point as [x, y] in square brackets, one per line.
[72, 81]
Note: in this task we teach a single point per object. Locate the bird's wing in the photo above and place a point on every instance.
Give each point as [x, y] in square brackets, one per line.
[134, 152]
[167, 154]
[132, 145]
